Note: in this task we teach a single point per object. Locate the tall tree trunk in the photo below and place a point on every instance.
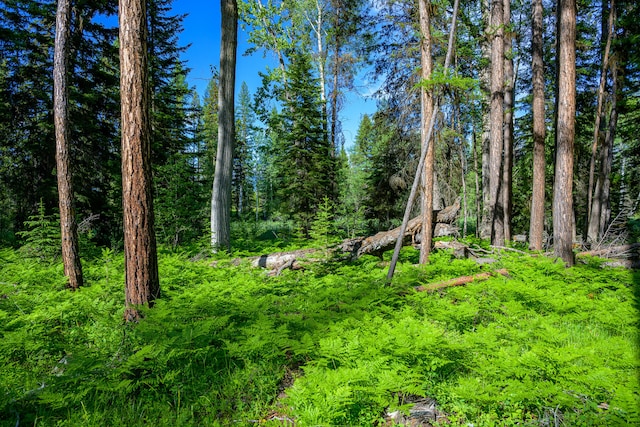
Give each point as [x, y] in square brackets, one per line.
[496, 208]
[484, 226]
[601, 210]
[536, 226]
[68, 225]
[221, 194]
[509, 79]
[426, 96]
[141, 262]
[463, 164]
[478, 173]
[423, 152]
[593, 198]
[563, 215]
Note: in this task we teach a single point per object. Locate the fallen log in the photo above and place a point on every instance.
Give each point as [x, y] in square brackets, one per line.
[630, 250]
[356, 247]
[459, 281]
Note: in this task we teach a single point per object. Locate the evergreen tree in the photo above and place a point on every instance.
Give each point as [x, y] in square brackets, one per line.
[243, 149]
[210, 127]
[303, 155]
[355, 188]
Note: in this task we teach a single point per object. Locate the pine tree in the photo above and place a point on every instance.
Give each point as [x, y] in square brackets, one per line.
[141, 264]
[64, 171]
[304, 161]
[243, 150]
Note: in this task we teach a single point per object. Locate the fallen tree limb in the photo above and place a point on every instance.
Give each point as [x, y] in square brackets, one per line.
[459, 281]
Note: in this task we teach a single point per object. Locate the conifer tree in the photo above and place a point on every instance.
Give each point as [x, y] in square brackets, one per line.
[68, 225]
[141, 263]
[304, 163]
[243, 150]
[221, 194]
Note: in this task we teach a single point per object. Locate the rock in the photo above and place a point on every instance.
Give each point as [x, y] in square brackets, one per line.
[423, 414]
[520, 238]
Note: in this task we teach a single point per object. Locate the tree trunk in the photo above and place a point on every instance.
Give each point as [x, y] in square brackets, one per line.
[478, 173]
[484, 226]
[423, 153]
[592, 232]
[563, 215]
[68, 225]
[602, 197]
[536, 226]
[221, 194]
[496, 207]
[509, 81]
[141, 263]
[426, 96]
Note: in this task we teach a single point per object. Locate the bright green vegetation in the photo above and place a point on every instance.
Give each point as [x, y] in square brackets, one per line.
[545, 345]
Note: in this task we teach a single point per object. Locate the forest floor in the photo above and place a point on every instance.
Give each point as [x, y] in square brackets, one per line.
[331, 344]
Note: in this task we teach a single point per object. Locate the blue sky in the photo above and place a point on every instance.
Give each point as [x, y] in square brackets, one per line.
[202, 31]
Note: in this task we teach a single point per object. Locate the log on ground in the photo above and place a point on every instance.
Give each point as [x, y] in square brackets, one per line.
[459, 281]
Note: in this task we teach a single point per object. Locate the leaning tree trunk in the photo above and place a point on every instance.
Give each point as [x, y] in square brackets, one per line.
[601, 210]
[563, 219]
[221, 194]
[426, 96]
[141, 262]
[592, 233]
[536, 228]
[68, 225]
[423, 154]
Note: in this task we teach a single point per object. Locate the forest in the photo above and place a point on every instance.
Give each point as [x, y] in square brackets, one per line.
[470, 257]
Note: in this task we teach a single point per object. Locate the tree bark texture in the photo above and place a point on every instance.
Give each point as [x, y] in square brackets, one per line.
[600, 208]
[509, 82]
[563, 215]
[496, 208]
[601, 203]
[141, 263]
[484, 225]
[68, 225]
[536, 226]
[426, 97]
[221, 194]
[592, 232]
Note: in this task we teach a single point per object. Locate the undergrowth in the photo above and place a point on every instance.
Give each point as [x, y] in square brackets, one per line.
[544, 346]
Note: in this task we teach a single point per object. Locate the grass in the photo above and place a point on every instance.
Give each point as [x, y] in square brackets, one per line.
[544, 345]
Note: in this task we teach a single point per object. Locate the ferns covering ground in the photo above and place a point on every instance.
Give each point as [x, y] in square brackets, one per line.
[544, 345]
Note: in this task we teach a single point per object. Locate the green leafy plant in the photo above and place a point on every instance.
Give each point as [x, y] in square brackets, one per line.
[42, 235]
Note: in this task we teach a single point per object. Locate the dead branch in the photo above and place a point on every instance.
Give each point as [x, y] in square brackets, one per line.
[459, 281]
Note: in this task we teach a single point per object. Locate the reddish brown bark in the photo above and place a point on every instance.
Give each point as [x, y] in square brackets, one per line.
[141, 264]
[68, 225]
[459, 281]
[563, 219]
